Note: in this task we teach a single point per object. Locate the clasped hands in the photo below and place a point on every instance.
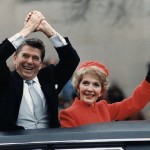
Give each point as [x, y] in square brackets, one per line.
[35, 21]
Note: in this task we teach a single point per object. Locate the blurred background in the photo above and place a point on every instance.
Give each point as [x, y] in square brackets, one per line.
[115, 32]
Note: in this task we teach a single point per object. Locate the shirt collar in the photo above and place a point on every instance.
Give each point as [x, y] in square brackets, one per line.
[34, 79]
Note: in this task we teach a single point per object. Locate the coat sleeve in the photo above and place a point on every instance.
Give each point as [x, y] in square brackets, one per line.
[131, 105]
[68, 61]
[6, 50]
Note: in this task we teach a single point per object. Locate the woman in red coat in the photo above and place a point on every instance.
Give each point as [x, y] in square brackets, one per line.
[90, 82]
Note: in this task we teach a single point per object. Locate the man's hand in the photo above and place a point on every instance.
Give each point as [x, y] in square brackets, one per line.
[46, 28]
[32, 21]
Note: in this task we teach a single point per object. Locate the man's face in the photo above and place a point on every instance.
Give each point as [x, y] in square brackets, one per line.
[28, 62]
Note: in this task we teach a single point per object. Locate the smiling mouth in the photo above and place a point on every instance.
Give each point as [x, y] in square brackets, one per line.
[89, 96]
[28, 68]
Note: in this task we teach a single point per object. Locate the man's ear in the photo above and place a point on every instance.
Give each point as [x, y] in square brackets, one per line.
[14, 58]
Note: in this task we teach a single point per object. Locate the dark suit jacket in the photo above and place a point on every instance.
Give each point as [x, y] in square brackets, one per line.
[11, 84]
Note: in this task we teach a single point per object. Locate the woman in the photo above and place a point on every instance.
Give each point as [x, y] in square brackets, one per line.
[90, 82]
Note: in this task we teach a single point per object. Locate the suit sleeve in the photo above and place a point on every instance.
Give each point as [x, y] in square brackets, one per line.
[68, 61]
[6, 50]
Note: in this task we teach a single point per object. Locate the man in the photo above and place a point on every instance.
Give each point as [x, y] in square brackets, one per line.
[17, 106]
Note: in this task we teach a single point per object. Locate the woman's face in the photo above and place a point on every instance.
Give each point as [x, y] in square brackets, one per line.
[89, 89]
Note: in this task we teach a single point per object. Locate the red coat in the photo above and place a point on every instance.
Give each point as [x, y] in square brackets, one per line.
[81, 114]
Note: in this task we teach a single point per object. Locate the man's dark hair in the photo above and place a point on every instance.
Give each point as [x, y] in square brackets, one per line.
[33, 42]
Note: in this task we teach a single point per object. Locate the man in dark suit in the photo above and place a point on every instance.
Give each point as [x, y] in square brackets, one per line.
[16, 105]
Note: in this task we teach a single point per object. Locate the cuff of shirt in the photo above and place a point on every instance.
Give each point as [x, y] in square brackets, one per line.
[16, 40]
[58, 41]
